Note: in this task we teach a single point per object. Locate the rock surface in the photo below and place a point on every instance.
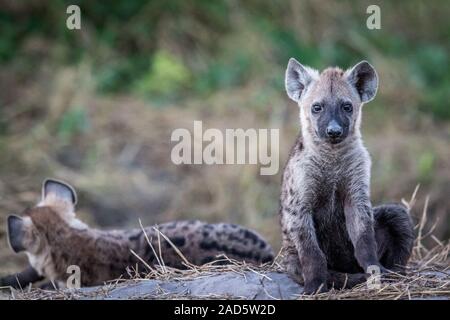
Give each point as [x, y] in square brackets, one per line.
[248, 285]
[240, 284]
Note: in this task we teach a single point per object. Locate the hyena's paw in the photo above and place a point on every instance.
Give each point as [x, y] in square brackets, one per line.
[385, 275]
[339, 281]
[295, 273]
[291, 265]
[316, 285]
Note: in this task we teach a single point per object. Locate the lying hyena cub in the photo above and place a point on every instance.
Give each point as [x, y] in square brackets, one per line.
[53, 239]
[328, 223]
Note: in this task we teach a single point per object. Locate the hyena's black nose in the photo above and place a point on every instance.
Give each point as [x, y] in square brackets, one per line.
[334, 130]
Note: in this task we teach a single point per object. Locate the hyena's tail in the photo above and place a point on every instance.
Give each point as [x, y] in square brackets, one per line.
[394, 232]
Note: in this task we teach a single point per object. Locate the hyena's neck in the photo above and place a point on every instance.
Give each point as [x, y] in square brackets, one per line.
[87, 248]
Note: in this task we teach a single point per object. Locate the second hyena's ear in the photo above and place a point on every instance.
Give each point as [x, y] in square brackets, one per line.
[58, 193]
[297, 79]
[364, 79]
[15, 233]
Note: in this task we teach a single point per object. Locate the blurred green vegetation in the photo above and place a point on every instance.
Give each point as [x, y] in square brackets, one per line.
[73, 122]
[168, 50]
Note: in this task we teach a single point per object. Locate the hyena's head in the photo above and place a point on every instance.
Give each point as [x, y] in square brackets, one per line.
[330, 102]
[36, 227]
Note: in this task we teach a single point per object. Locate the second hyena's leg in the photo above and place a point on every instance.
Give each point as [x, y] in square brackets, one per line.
[21, 279]
[394, 234]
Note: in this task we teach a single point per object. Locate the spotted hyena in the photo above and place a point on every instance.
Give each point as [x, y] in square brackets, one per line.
[330, 230]
[54, 238]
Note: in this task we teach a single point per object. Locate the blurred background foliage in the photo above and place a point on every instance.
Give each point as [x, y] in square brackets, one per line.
[96, 106]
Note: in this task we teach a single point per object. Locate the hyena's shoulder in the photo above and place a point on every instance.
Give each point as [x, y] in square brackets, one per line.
[295, 159]
[297, 149]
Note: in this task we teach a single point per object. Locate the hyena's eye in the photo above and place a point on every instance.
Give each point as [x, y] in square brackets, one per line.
[347, 107]
[316, 108]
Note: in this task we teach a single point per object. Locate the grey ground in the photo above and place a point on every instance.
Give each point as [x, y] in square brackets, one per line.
[244, 284]
[248, 285]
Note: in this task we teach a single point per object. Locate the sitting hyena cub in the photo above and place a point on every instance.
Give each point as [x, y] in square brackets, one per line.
[54, 239]
[328, 223]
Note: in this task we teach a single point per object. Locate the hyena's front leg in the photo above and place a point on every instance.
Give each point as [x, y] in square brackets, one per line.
[290, 260]
[313, 264]
[360, 227]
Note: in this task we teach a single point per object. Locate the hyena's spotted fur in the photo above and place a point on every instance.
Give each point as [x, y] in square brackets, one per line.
[328, 224]
[53, 238]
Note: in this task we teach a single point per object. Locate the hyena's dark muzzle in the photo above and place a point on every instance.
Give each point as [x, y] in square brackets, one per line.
[332, 124]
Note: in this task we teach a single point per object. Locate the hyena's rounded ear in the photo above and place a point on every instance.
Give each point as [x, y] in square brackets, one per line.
[364, 79]
[297, 79]
[15, 233]
[59, 192]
